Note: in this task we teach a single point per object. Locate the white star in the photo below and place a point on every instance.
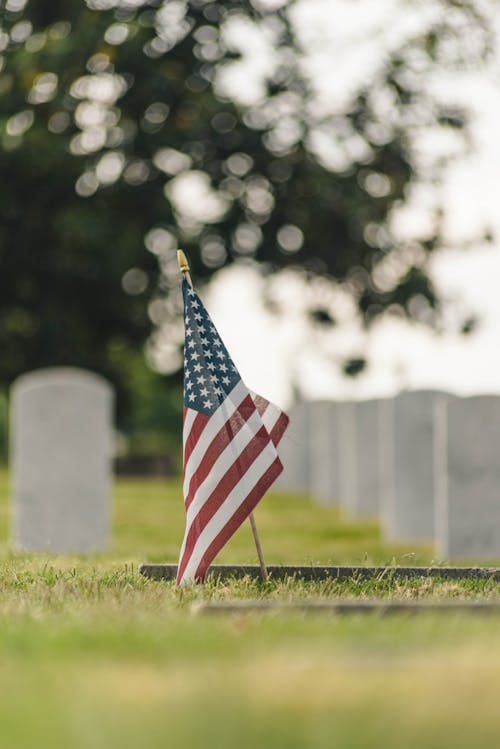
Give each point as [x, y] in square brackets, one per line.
[191, 291]
[197, 367]
[200, 380]
[221, 354]
[207, 404]
[204, 392]
[195, 355]
[208, 354]
[201, 329]
[188, 385]
[191, 344]
[211, 366]
[198, 317]
[195, 304]
[187, 372]
[217, 342]
[204, 341]
[226, 380]
[189, 331]
[223, 367]
[218, 391]
[191, 396]
[214, 379]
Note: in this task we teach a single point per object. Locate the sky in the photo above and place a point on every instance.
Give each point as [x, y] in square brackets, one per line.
[342, 41]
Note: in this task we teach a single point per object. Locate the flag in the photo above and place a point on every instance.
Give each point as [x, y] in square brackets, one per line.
[229, 437]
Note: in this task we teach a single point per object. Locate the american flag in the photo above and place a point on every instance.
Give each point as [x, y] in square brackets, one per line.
[230, 437]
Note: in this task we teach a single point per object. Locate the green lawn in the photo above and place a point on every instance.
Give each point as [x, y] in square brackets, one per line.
[93, 656]
[150, 524]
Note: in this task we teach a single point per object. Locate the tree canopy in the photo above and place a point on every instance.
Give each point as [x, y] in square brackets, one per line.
[119, 142]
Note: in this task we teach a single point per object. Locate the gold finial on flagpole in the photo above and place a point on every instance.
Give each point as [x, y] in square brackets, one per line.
[184, 266]
[183, 261]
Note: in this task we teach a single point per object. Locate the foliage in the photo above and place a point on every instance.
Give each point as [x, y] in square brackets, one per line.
[110, 111]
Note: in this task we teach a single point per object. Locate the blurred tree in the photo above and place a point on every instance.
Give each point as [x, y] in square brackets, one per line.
[116, 132]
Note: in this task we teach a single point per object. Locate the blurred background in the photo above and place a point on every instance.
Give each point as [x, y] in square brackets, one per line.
[329, 167]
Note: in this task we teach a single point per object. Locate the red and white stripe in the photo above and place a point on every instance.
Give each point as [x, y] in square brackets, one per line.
[230, 461]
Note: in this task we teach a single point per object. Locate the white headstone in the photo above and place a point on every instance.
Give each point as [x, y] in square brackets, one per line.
[468, 478]
[61, 451]
[367, 497]
[347, 463]
[323, 452]
[294, 452]
[408, 472]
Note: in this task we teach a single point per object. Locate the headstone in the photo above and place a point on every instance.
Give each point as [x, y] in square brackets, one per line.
[408, 465]
[347, 462]
[366, 500]
[468, 478]
[61, 450]
[294, 453]
[324, 452]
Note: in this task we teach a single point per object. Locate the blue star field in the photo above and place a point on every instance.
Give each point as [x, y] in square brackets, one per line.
[209, 371]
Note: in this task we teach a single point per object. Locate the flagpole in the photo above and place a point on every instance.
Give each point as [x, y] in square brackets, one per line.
[260, 553]
[184, 269]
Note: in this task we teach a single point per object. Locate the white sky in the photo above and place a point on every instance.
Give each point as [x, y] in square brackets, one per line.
[343, 38]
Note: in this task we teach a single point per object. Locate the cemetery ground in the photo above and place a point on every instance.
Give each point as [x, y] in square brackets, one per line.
[94, 655]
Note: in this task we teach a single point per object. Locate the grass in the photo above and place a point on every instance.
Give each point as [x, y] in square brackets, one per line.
[150, 522]
[94, 656]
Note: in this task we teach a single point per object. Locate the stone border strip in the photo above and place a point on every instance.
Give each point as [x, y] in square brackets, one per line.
[313, 573]
[342, 607]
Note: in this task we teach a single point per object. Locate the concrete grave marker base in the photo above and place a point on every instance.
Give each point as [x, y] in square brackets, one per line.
[168, 572]
[378, 606]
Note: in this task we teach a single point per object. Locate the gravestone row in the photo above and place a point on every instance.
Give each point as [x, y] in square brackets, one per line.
[425, 463]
